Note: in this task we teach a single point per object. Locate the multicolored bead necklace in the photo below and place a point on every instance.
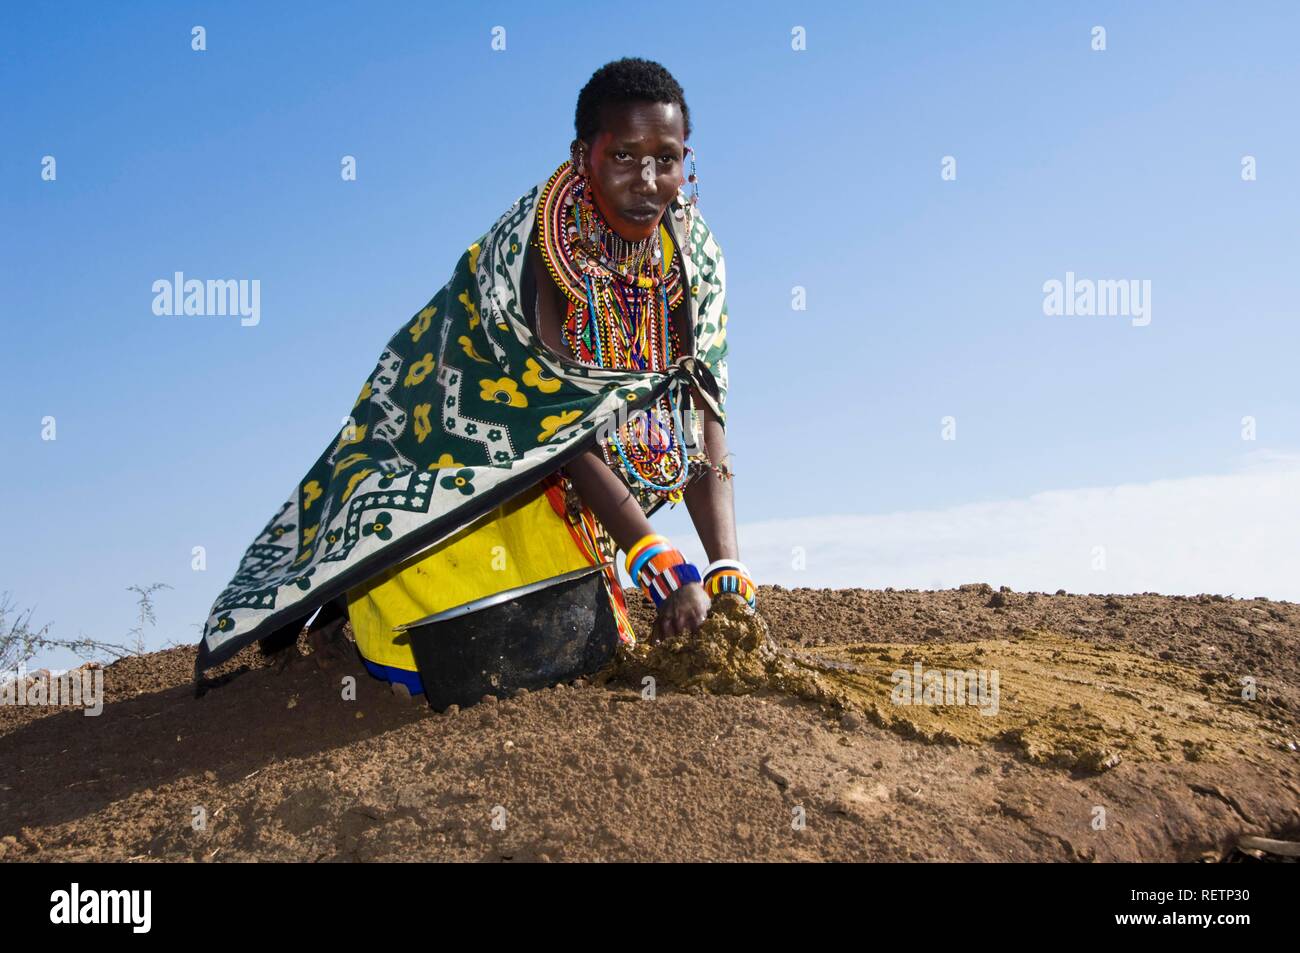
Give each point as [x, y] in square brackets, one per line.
[620, 295]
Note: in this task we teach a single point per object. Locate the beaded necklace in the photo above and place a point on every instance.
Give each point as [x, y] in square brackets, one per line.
[619, 298]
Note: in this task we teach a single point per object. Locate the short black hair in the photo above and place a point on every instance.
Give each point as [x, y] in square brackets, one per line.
[630, 79]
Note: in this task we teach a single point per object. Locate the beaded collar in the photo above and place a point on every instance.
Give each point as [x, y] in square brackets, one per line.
[569, 261]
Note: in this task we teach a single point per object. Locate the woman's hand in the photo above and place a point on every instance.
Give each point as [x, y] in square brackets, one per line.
[684, 611]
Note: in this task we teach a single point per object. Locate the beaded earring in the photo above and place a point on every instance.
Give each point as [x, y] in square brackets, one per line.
[685, 214]
[693, 178]
[583, 189]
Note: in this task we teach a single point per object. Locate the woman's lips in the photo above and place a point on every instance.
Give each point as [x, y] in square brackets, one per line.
[641, 215]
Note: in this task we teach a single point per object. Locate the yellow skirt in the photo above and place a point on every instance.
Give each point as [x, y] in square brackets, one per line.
[525, 540]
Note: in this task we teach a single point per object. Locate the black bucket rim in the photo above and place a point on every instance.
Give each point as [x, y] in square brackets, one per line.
[505, 595]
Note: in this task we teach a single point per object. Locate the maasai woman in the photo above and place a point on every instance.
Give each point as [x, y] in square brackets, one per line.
[590, 322]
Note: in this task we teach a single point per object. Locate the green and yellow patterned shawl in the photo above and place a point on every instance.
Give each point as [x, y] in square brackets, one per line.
[465, 409]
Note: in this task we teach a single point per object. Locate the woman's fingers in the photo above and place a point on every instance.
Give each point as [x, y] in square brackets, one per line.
[685, 611]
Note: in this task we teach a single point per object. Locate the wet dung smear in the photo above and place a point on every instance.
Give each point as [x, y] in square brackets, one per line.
[1057, 701]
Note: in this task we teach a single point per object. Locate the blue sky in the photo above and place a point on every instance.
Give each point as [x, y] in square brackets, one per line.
[818, 168]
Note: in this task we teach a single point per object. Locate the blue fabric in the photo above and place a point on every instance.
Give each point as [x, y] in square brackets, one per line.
[389, 674]
[686, 572]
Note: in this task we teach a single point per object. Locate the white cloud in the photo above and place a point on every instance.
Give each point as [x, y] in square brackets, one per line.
[1236, 533]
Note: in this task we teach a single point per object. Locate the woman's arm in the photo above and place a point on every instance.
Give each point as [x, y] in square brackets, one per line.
[618, 511]
[709, 498]
[609, 498]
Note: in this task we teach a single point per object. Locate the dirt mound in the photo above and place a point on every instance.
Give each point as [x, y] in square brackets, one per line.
[1129, 727]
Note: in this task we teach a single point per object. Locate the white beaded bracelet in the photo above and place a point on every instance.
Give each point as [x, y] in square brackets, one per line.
[725, 564]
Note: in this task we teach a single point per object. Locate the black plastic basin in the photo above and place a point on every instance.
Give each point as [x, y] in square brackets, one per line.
[529, 637]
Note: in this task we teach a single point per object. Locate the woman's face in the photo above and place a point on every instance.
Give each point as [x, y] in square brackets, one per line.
[635, 165]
